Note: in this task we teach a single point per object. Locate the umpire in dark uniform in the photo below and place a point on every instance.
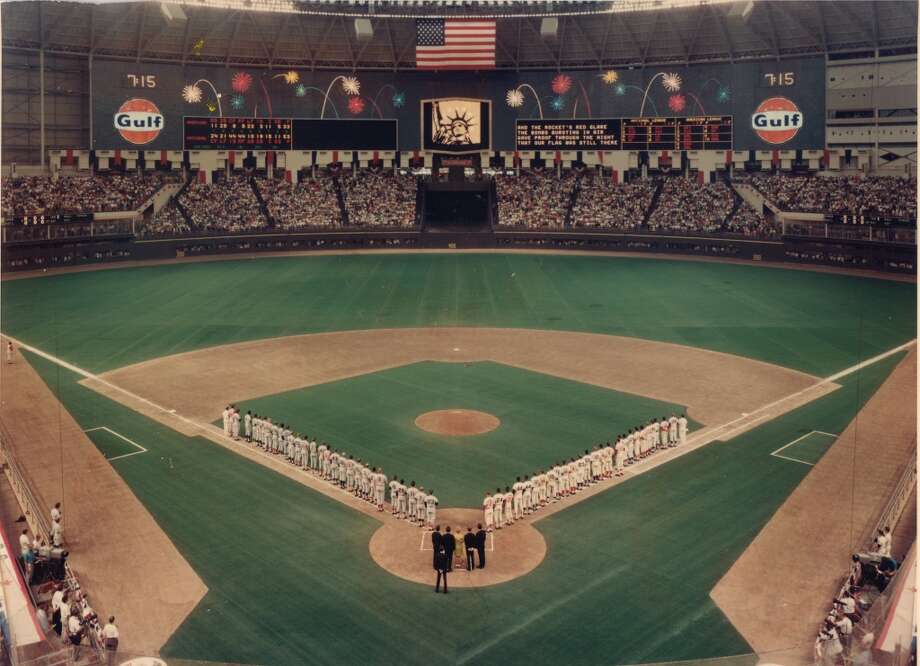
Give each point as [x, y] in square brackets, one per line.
[440, 558]
[481, 546]
[435, 545]
[450, 545]
[469, 545]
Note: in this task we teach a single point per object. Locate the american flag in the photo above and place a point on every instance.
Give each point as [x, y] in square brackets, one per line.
[455, 44]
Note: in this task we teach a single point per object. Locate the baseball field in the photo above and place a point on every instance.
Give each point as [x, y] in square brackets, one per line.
[564, 351]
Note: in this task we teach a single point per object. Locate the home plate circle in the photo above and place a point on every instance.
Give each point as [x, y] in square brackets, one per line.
[457, 422]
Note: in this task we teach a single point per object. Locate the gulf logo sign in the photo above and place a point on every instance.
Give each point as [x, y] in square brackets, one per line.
[139, 121]
[777, 120]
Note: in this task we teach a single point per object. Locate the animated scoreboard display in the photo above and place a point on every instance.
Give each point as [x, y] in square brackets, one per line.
[219, 133]
[691, 133]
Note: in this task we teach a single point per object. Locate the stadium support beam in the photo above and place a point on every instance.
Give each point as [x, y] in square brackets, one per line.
[696, 33]
[346, 37]
[774, 35]
[607, 30]
[595, 55]
[720, 19]
[232, 42]
[539, 38]
[651, 37]
[857, 22]
[185, 37]
[623, 22]
[500, 45]
[815, 33]
[392, 43]
[251, 17]
[41, 101]
[141, 21]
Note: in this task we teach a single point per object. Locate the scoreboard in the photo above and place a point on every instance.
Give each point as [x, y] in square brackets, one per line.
[219, 133]
[694, 133]
[237, 133]
[588, 134]
[690, 133]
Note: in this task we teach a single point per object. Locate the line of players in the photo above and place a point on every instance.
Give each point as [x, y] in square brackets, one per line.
[338, 468]
[527, 495]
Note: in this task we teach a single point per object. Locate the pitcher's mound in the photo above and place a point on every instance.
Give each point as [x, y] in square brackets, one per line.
[457, 422]
[405, 550]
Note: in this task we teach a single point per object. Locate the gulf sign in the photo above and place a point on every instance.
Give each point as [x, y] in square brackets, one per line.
[777, 120]
[139, 121]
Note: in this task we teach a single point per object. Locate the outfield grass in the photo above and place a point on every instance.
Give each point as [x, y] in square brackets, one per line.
[625, 580]
[816, 322]
[544, 419]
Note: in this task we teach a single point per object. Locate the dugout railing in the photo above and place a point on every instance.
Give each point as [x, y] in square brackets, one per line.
[888, 518]
[39, 524]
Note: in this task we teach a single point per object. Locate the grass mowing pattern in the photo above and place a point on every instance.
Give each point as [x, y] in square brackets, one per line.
[815, 322]
[544, 419]
[626, 578]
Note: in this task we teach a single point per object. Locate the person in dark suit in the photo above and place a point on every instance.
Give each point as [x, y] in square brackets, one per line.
[481, 546]
[435, 545]
[469, 545]
[441, 563]
[450, 545]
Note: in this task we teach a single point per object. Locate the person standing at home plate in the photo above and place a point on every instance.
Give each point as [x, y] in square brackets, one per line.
[488, 509]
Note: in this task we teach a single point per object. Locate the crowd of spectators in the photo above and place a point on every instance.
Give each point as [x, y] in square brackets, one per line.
[685, 205]
[876, 197]
[602, 203]
[227, 205]
[43, 195]
[534, 199]
[870, 573]
[750, 222]
[312, 203]
[380, 199]
[168, 221]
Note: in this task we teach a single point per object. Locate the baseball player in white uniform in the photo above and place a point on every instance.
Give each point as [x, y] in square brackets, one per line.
[488, 507]
[412, 494]
[518, 499]
[682, 430]
[508, 506]
[380, 488]
[431, 507]
[498, 501]
[527, 495]
[673, 431]
[420, 507]
[226, 420]
[247, 426]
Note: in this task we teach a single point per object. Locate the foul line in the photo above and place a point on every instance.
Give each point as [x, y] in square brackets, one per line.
[120, 436]
[748, 421]
[797, 440]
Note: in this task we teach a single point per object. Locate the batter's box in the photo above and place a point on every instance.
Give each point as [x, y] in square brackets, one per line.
[807, 449]
[113, 445]
[425, 543]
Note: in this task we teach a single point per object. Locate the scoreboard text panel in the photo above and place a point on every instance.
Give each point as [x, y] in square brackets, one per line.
[587, 134]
